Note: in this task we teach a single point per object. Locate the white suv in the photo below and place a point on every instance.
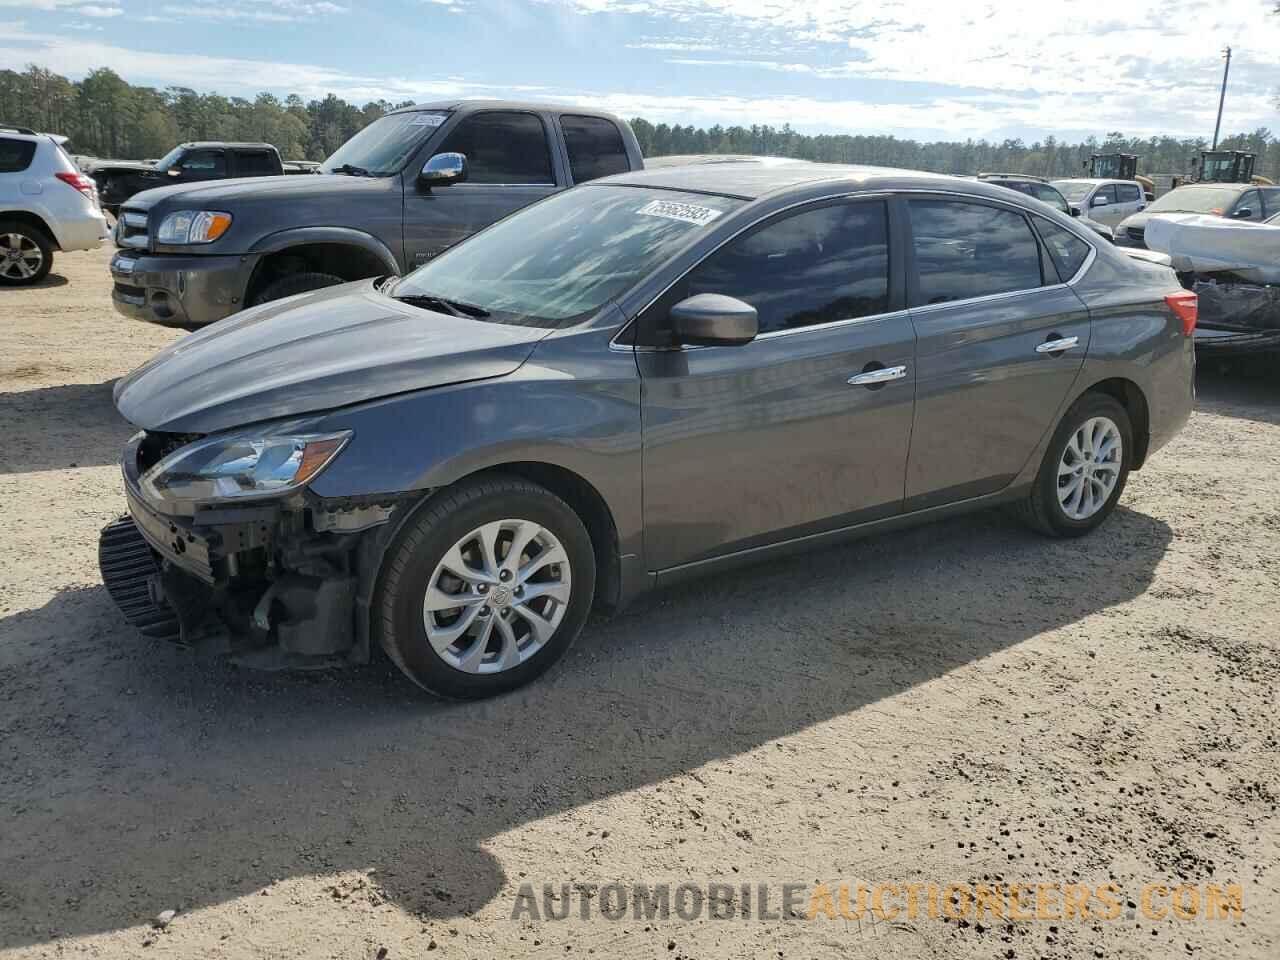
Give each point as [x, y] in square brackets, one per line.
[46, 204]
[1107, 201]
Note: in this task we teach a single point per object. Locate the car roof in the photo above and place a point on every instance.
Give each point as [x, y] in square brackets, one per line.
[1094, 181]
[750, 181]
[201, 144]
[471, 106]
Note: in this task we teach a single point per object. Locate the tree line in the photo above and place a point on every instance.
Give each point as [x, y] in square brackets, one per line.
[107, 117]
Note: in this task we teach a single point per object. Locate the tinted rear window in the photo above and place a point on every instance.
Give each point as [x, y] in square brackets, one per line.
[965, 250]
[595, 147]
[15, 155]
[255, 163]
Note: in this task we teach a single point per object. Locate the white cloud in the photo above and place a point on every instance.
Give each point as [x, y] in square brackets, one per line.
[104, 8]
[262, 11]
[98, 10]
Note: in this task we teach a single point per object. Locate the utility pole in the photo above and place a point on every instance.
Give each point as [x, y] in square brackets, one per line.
[1222, 97]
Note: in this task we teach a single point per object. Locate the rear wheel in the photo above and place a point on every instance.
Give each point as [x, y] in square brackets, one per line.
[1084, 470]
[294, 283]
[485, 588]
[26, 254]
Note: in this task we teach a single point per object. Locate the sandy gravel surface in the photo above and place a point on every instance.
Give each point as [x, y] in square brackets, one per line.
[962, 703]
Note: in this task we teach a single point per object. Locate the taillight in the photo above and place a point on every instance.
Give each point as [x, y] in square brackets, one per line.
[80, 182]
[1186, 307]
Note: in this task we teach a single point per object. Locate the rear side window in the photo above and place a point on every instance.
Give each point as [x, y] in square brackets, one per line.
[255, 163]
[964, 250]
[805, 269]
[595, 148]
[1127, 193]
[1067, 251]
[502, 148]
[15, 155]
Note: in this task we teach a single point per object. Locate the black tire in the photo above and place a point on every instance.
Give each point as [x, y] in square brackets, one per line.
[33, 235]
[411, 559]
[1042, 509]
[293, 283]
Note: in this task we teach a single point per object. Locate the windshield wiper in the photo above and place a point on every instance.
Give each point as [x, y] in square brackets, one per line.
[352, 171]
[456, 308]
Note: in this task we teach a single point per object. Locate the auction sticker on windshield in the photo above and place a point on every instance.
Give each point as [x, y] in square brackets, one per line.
[426, 119]
[686, 212]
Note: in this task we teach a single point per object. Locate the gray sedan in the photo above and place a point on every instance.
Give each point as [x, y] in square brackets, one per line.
[649, 377]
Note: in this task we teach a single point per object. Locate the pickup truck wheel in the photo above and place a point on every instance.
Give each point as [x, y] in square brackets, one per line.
[1084, 470]
[294, 283]
[485, 588]
[26, 254]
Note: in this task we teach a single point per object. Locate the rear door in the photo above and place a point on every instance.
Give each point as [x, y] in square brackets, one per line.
[1129, 200]
[510, 165]
[1000, 340]
[790, 434]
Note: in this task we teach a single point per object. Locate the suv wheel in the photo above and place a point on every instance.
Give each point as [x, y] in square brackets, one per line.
[294, 283]
[26, 254]
[1084, 470]
[485, 588]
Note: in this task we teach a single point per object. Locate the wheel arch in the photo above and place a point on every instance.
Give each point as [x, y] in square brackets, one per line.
[340, 251]
[1134, 400]
[32, 219]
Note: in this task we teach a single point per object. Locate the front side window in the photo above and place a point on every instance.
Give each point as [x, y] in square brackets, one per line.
[205, 163]
[1127, 193]
[1047, 194]
[1252, 202]
[595, 148]
[805, 269]
[1067, 252]
[964, 250]
[502, 148]
[15, 155]
[558, 261]
[1107, 192]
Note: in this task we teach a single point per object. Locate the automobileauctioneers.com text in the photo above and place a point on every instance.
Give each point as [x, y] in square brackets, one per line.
[878, 901]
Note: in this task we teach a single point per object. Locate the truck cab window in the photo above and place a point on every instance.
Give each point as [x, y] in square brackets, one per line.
[502, 148]
[254, 163]
[595, 148]
[204, 163]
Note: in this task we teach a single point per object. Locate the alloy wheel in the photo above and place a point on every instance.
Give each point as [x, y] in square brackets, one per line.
[1089, 467]
[497, 596]
[20, 256]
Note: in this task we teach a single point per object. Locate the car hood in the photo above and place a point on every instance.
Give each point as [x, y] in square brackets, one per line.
[227, 194]
[313, 352]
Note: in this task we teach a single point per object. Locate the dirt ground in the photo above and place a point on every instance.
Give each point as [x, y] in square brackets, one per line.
[964, 703]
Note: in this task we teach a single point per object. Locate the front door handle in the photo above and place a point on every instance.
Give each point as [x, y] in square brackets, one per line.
[883, 375]
[1057, 346]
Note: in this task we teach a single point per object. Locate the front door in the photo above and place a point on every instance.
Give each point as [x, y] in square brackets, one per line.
[1001, 340]
[1104, 206]
[509, 166]
[748, 445]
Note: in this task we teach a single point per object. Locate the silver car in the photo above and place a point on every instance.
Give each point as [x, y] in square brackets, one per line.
[649, 377]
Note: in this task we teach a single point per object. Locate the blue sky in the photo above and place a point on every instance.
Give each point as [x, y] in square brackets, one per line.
[920, 69]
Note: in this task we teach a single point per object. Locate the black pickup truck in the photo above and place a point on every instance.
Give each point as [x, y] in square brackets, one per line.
[118, 180]
[403, 189]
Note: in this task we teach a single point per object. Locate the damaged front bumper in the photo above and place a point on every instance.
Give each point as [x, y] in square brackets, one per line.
[279, 582]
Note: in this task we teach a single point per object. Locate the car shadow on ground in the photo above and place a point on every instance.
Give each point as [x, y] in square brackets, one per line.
[50, 280]
[149, 780]
[1243, 390]
[52, 428]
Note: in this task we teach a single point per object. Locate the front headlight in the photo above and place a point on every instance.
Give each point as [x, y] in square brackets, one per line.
[193, 226]
[221, 468]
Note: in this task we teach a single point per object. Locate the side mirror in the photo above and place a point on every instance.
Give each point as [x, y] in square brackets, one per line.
[1099, 202]
[442, 170]
[1075, 211]
[174, 172]
[1244, 213]
[714, 320]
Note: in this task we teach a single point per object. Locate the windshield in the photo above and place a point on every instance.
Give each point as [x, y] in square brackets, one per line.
[383, 147]
[170, 158]
[1073, 190]
[1194, 200]
[557, 261]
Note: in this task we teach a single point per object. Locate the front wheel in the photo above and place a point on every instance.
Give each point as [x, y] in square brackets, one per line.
[1084, 470]
[294, 283]
[485, 588]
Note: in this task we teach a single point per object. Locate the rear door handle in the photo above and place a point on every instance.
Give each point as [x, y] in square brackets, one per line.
[1057, 346]
[883, 375]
